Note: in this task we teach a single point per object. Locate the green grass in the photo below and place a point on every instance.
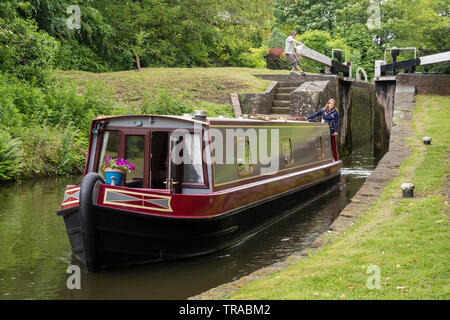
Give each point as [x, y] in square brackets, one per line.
[202, 84]
[407, 239]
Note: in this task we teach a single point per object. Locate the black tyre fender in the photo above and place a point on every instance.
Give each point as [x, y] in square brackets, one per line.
[88, 219]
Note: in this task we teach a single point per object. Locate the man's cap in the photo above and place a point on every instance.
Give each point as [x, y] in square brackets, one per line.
[293, 32]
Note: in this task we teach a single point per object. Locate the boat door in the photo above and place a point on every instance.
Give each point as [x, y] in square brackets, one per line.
[175, 175]
[164, 174]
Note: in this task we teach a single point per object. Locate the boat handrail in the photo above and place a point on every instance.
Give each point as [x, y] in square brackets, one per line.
[265, 117]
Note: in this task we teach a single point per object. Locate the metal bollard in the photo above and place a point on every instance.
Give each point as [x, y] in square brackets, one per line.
[408, 190]
[426, 140]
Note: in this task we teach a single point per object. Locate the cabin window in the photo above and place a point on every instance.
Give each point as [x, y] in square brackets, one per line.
[319, 148]
[110, 147]
[193, 170]
[286, 151]
[245, 168]
[134, 154]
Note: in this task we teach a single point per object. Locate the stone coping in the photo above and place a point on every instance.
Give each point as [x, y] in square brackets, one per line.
[386, 170]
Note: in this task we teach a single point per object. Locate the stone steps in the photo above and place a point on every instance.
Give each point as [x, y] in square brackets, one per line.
[281, 103]
[282, 96]
[280, 110]
[285, 90]
[289, 84]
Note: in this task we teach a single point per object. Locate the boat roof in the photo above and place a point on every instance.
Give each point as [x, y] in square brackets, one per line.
[250, 120]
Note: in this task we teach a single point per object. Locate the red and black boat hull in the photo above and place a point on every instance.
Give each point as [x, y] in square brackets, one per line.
[101, 237]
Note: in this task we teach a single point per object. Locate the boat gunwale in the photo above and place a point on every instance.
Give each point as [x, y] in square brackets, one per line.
[238, 189]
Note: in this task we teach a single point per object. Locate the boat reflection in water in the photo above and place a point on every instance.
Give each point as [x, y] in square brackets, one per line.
[200, 184]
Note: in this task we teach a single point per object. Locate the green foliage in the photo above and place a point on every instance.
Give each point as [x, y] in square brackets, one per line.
[24, 51]
[49, 151]
[215, 110]
[256, 58]
[49, 124]
[316, 40]
[185, 33]
[277, 39]
[415, 23]
[167, 103]
[277, 62]
[139, 46]
[403, 23]
[307, 15]
[10, 116]
[10, 154]
[74, 56]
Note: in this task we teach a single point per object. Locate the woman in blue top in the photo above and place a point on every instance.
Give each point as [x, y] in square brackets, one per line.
[329, 115]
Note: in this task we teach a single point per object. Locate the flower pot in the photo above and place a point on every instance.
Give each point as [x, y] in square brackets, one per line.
[276, 51]
[114, 176]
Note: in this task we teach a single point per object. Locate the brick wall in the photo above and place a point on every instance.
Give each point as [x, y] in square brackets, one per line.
[426, 83]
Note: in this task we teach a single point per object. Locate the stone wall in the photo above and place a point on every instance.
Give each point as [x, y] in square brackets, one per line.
[360, 117]
[365, 110]
[310, 96]
[300, 79]
[258, 103]
[385, 92]
[426, 83]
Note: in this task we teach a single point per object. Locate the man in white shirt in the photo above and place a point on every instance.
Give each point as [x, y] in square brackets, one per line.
[291, 54]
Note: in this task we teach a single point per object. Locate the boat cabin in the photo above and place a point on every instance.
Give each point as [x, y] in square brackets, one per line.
[215, 153]
[199, 185]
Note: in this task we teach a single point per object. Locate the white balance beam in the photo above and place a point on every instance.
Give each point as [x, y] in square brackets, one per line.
[314, 55]
[435, 58]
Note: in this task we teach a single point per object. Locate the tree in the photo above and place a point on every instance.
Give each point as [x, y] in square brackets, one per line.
[139, 47]
[277, 39]
[305, 15]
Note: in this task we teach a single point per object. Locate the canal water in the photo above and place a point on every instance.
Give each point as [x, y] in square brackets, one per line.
[35, 251]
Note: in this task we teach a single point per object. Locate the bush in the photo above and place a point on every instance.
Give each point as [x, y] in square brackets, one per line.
[68, 105]
[277, 39]
[277, 61]
[74, 56]
[170, 104]
[215, 110]
[26, 52]
[166, 103]
[10, 155]
[58, 103]
[255, 58]
[10, 116]
[49, 151]
[316, 40]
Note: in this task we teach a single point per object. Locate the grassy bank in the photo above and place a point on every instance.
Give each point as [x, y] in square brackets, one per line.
[407, 239]
[203, 84]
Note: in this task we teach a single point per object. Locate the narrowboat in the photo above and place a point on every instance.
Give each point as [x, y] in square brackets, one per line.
[199, 185]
